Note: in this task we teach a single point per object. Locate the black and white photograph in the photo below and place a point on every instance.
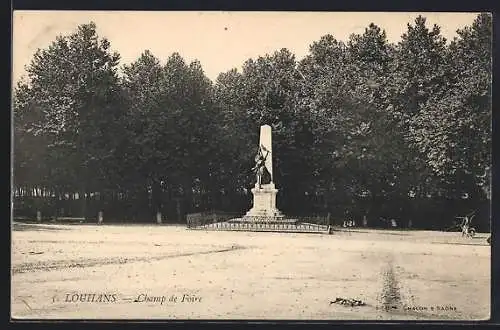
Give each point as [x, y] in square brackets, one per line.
[246, 165]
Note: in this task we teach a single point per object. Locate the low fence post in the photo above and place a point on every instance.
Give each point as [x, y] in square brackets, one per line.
[100, 217]
[38, 216]
[158, 218]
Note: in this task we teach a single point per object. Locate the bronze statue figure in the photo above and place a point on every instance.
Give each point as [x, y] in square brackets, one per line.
[260, 166]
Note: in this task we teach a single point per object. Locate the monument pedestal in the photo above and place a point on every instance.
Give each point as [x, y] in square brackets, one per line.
[264, 202]
[264, 207]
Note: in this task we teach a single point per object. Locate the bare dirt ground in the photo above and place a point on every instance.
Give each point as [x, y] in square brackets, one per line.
[106, 272]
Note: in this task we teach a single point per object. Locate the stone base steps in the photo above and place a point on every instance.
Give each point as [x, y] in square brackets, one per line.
[265, 226]
[263, 219]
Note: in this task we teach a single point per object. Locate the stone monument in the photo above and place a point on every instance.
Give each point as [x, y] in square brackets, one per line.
[264, 192]
[264, 215]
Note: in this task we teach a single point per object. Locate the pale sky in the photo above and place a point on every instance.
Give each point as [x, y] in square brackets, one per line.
[219, 40]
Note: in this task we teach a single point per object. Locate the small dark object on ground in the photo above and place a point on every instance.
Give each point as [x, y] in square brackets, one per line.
[351, 302]
[488, 240]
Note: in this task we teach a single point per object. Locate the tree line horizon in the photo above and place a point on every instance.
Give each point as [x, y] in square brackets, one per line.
[362, 128]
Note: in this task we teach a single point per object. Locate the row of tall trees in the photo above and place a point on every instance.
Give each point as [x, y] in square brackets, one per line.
[362, 127]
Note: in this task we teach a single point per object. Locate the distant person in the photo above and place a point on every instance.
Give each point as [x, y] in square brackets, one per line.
[465, 226]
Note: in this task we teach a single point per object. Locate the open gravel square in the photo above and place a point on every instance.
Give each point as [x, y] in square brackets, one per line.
[170, 272]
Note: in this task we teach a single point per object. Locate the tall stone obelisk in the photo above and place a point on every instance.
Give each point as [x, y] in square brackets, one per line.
[264, 196]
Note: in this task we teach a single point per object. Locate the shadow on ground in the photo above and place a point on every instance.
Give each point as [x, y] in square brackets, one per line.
[383, 231]
[33, 227]
[481, 243]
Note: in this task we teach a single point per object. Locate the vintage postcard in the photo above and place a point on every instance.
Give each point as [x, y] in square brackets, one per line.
[251, 165]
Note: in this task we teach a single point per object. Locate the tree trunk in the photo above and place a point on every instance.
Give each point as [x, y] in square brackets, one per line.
[83, 201]
[156, 197]
[178, 209]
[188, 193]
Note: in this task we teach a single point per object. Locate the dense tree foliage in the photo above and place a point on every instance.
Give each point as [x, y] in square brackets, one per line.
[361, 127]
[67, 117]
